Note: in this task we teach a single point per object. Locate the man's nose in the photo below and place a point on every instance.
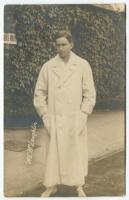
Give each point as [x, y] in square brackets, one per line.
[60, 48]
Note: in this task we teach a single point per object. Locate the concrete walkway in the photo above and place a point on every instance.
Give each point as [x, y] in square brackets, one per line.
[106, 133]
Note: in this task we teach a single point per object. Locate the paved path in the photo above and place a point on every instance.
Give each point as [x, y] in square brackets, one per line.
[105, 132]
[106, 178]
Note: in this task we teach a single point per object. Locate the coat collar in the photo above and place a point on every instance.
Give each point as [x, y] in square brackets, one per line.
[70, 68]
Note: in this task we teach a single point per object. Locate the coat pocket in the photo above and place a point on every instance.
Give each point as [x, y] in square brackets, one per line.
[82, 122]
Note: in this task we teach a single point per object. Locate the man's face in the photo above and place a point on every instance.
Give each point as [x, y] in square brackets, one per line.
[63, 46]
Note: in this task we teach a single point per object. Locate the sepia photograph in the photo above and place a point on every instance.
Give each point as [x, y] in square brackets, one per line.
[64, 100]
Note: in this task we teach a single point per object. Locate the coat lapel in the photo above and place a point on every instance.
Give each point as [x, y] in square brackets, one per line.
[67, 73]
[57, 71]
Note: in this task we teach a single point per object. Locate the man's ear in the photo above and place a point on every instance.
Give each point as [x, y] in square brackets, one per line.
[72, 45]
[54, 44]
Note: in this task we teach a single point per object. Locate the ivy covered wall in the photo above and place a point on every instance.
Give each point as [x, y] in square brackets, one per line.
[99, 37]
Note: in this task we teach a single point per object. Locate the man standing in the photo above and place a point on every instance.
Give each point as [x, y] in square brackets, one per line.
[64, 97]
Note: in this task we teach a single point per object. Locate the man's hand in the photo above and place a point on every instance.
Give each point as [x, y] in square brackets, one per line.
[46, 121]
[85, 115]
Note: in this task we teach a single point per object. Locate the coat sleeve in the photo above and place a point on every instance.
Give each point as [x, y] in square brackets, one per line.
[41, 92]
[88, 90]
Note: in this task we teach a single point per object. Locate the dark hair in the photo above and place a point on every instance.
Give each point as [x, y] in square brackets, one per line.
[66, 34]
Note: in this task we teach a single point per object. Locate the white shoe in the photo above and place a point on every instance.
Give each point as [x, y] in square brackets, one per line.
[81, 192]
[49, 191]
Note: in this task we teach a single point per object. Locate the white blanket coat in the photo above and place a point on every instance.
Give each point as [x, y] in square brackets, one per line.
[65, 94]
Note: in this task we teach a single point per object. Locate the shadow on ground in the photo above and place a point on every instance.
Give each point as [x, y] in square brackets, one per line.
[105, 178]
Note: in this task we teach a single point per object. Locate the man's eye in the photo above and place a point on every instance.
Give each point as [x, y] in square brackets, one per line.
[61, 45]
